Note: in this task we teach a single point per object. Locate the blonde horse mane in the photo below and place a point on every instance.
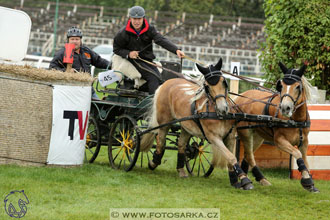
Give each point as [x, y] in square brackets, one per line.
[198, 93]
[307, 87]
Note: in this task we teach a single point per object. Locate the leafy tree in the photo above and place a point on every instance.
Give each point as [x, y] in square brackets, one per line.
[298, 32]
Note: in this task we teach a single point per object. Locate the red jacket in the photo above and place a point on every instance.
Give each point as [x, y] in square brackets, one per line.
[127, 40]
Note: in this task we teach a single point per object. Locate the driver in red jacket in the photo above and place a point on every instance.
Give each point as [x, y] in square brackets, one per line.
[135, 39]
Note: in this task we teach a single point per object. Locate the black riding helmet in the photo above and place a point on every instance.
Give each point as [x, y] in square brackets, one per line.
[74, 32]
[136, 12]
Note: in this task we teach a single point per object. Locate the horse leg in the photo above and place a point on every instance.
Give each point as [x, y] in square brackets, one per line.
[246, 183]
[257, 142]
[246, 137]
[230, 142]
[306, 179]
[160, 148]
[252, 141]
[303, 150]
[182, 143]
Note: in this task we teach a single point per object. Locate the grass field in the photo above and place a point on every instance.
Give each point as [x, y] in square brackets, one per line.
[88, 192]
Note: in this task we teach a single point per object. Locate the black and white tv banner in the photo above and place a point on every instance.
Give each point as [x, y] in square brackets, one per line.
[71, 106]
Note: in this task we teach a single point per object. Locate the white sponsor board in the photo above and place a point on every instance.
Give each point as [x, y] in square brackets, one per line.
[71, 106]
[15, 27]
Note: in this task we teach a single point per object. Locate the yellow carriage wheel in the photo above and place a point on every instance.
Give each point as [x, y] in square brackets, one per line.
[124, 143]
[198, 157]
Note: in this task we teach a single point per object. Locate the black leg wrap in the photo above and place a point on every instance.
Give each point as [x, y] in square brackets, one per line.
[246, 183]
[238, 171]
[257, 173]
[245, 166]
[307, 182]
[234, 180]
[301, 165]
[157, 158]
[181, 160]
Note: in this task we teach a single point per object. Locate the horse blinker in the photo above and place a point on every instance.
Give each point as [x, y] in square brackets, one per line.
[279, 86]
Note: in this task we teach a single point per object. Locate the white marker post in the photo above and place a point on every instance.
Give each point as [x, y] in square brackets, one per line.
[234, 83]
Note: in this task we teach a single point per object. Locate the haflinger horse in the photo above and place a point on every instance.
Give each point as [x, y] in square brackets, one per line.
[290, 103]
[175, 99]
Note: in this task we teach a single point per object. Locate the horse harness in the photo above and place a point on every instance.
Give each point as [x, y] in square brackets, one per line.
[212, 78]
[299, 125]
[266, 120]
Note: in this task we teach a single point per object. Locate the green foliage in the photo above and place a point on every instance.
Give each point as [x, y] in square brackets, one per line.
[298, 32]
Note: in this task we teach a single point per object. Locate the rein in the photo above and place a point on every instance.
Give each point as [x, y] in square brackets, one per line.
[180, 75]
[269, 121]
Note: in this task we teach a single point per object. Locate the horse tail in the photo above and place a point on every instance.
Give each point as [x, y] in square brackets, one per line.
[148, 138]
[218, 160]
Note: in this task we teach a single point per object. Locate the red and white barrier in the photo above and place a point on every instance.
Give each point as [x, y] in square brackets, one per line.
[318, 154]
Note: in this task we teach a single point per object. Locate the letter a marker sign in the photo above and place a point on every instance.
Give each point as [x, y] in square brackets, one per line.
[234, 83]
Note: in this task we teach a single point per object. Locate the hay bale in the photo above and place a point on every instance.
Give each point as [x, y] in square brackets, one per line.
[26, 96]
[42, 75]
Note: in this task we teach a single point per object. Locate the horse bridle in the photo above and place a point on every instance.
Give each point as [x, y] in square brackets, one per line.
[206, 87]
[296, 79]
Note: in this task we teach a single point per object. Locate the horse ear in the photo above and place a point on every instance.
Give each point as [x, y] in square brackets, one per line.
[279, 86]
[301, 71]
[219, 64]
[283, 67]
[203, 70]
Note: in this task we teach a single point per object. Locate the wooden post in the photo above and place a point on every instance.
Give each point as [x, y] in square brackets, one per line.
[234, 87]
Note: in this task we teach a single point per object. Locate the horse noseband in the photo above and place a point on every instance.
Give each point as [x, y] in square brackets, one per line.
[279, 88]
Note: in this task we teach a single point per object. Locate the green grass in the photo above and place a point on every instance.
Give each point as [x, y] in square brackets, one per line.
[88, 192]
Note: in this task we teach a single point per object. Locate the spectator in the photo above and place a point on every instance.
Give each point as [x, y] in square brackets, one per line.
[83, 57]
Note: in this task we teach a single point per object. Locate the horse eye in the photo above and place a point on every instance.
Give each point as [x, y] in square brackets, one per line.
[298, 87]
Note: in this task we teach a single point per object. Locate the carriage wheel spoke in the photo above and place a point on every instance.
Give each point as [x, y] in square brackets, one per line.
[91, 131]
[117, 154]
[142, 158]
[89, 149]
[203, 166]
[206, 159]
[199, 167]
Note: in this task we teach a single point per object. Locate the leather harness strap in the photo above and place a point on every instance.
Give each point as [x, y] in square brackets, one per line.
[193, 111]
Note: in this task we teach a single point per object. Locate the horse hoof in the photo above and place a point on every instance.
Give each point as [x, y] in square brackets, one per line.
[312, 189]
[264, 182]
[246, 183]
[152, 165]
[182, 173]
[248, 186]
[308, 184]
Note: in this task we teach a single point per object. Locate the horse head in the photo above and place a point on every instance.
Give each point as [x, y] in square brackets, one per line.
[290, 88]
[216, 87]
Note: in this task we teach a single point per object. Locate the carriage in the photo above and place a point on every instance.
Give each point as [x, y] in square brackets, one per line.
[118, 122]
